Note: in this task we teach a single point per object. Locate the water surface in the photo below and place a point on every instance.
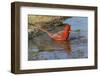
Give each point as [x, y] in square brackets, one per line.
[43, 47]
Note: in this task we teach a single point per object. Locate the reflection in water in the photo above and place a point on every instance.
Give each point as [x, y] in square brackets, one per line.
[64, 44]
[44, 48]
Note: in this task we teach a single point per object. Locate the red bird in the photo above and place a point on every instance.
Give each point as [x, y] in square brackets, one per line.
[61, 35]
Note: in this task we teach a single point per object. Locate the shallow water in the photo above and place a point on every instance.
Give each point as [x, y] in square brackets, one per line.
[44, 48]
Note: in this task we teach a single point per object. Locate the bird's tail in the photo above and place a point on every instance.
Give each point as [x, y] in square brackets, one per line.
[50, 34]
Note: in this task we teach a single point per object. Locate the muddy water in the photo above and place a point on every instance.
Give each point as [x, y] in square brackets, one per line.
[43, 47]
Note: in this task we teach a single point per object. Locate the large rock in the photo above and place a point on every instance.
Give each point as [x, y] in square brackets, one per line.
[47, 22]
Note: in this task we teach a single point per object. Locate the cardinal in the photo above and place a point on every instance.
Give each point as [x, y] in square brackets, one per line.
[61, 35]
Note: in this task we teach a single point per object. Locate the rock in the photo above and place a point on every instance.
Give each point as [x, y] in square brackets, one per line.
[47, 22]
